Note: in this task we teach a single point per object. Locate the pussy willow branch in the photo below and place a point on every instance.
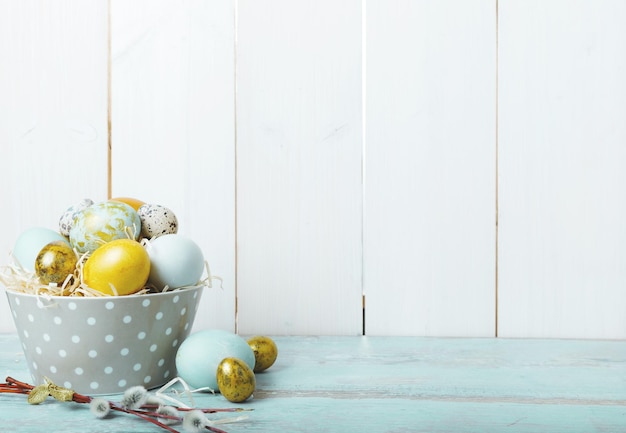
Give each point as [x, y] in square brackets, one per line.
[15, 386]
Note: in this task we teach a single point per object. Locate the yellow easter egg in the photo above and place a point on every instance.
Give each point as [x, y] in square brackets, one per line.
[119, 267]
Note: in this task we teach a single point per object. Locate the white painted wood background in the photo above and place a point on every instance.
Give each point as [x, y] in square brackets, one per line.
[460, 163]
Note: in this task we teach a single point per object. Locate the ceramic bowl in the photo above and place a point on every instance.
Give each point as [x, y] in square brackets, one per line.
[104, 345]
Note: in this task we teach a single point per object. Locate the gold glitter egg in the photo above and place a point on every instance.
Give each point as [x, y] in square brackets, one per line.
[235, 380]
[265, 352]
[55, 262]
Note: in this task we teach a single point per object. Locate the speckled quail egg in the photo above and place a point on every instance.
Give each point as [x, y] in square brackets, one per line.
[157, 220]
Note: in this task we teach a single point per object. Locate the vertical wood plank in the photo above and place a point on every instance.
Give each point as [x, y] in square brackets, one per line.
[429, 215]
[173, 126]
[53, 121]
[299, 166]
[562, 157]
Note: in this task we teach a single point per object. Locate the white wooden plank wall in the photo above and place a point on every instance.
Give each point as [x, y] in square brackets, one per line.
[562, 156]
[299, 141]
[429, 252]
[322, 150]
[53, 123]
[173, 125]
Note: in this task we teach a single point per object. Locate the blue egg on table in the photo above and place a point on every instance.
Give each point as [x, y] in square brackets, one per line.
[200, 354]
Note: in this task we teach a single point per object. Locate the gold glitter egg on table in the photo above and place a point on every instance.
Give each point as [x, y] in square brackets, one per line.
[119, 267]
[235, 380]
[55, 262]
[265, 352]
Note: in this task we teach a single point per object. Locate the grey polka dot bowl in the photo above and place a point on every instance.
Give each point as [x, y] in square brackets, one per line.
[104, 345]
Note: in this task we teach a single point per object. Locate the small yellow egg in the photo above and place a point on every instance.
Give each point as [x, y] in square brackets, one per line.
[55, 262]
[235, 380]
[265, 352]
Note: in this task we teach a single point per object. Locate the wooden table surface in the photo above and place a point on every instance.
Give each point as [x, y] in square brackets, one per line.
[390, 384]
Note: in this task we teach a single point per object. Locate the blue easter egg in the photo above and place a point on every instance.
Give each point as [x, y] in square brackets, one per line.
[175, 261]
[199, 355]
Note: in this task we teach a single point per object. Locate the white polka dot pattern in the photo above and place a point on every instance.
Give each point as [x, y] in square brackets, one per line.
[104, 345]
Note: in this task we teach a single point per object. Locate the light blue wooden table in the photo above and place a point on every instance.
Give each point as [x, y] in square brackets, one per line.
[394, 385]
